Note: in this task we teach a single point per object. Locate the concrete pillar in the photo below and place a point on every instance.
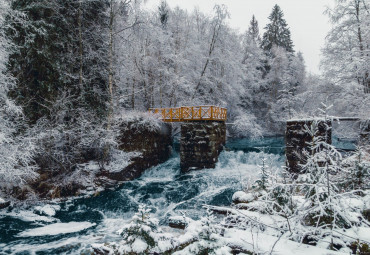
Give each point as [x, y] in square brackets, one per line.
[296, 139]
[201, 144]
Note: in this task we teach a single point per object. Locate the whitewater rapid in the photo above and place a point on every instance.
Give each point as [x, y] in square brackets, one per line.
[72, 226]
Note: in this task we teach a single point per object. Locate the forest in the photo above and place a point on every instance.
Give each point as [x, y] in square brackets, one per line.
[72, 71]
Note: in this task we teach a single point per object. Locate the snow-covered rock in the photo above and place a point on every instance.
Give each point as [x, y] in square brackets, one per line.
[179, 222]
[3, 203]
[57, 229]
[48, 210]
[243, 197]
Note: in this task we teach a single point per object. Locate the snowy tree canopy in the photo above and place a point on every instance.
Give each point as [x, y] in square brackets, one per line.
[277, 32]
[346, 53]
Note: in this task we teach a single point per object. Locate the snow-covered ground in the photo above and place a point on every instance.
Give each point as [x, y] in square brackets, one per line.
[83, 225]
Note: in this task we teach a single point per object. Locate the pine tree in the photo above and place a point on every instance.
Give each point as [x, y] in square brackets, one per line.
[253, 31]
[141, 234]
[62, 48]
[277, 32]
[163, 13]
[61, 60]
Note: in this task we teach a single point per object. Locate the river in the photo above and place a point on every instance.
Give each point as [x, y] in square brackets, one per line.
[71, 226]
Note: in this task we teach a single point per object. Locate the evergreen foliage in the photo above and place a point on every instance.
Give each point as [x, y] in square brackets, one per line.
[254, 31]
[262, 182]
[60, 49]
[208, 239]
[277, 32]
[140, 235]
[163, 13]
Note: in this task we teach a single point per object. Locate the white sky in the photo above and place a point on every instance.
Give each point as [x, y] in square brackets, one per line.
[308, 25]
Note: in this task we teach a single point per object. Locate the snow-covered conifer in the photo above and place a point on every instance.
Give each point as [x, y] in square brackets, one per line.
[209, 240]
[140, 235]
[277, 32]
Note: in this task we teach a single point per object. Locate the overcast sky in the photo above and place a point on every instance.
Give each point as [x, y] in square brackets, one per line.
[308, 24]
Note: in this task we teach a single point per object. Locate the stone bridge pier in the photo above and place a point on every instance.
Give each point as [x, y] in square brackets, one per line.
[201, 143]
[203, 133]
[297, 138]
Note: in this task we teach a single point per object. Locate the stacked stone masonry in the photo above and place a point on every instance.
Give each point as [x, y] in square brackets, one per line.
[365, 135]
[296, 139]
[155, 147]
[201, 144]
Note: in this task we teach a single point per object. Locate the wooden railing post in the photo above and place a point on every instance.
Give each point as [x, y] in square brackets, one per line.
[188, 113]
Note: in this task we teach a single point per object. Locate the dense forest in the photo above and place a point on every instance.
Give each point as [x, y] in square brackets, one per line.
[72, 71]
[69, 68]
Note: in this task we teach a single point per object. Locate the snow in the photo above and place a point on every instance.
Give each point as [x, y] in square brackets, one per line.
[179, 220]
[57, 229]
[139, 246]
[28, 216]
[262, 243]
[242, 197]
[305, 119]
[121, 159]
[2, 201]
[48, 210]
[356, 203]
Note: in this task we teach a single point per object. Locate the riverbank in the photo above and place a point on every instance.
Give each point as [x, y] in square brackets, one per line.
[142, 141]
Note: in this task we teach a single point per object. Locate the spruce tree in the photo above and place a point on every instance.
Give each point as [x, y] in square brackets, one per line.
[60, 59]
[277, 32]
[253, 30]
[62, 49]
[163, 13]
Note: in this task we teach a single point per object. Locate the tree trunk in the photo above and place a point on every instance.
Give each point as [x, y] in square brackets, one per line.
[133, 94]
[80, 51]
[110, 70]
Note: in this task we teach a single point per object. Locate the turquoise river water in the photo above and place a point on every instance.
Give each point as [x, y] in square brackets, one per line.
[163, 188]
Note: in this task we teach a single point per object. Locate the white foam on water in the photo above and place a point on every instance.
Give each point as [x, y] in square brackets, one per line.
[73, 242]
[28, 216]
[57, 229]
[233, 171]
[163, 172]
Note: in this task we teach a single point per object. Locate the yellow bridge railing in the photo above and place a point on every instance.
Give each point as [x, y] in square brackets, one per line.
[191, 113]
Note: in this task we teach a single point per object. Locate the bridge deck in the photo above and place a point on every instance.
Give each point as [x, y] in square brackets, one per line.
[191, 113]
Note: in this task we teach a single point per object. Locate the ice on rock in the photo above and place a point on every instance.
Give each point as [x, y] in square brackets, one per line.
[57, 229]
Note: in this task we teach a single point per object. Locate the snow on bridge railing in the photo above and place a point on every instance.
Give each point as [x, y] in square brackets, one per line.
[191, 113]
